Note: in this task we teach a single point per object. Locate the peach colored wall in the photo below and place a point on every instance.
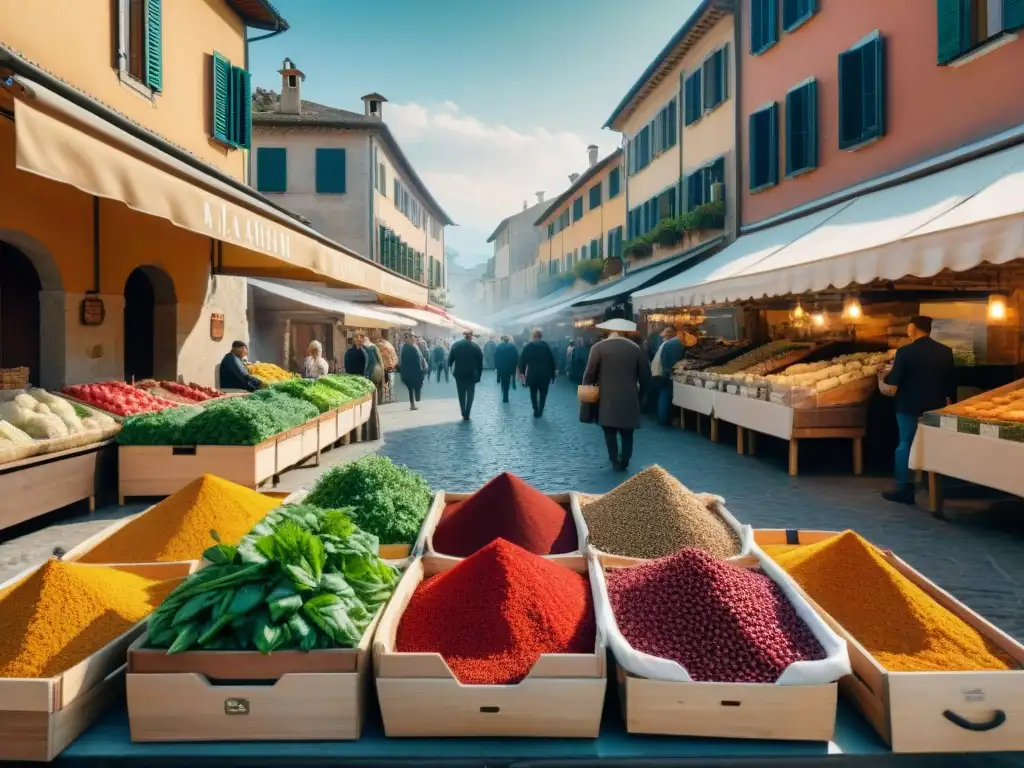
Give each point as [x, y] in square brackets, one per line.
[76, 41]
[929, 109]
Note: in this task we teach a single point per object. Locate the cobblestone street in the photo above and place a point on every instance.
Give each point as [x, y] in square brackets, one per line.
[978, 555]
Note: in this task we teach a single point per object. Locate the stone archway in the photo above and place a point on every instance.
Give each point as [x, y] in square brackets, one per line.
[150, 325]
[43, 346]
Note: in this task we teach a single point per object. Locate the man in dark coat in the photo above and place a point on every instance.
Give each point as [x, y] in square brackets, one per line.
[233, 373]
[410, 368]
[924, 375]
[437, 356]
[578, 362]
[506, 358]
[489, 349]
[622, 372]
[537, 365]
[356, 361]
[466, 360]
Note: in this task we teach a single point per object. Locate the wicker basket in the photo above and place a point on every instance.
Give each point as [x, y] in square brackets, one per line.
[14, 378]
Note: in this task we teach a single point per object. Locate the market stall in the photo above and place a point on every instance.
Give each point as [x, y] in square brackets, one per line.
[53, 453]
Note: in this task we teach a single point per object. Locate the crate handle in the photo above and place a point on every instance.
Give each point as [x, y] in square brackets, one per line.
[997, 719]
[729, 703]
[490, 710]
[236, 706]
[183, 450]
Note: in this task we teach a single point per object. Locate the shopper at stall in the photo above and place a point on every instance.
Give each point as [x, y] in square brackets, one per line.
[620, 370]
[410, 368]
[388, 355]
[315, 365]
[466, 360]
[925, 379]
[437, 361]
[233, 373]
[537, 366]
[355, 359]
[506, 358]
[667, 355]
[374, 363]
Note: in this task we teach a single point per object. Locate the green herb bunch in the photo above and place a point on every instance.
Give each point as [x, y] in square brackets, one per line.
[322, 396]
[303, 579]
[157, 427]
[387, 500]
[352, 387]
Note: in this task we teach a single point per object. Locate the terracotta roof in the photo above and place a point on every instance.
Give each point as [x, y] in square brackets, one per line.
[259, 14]
[577, 185]
[265, 112]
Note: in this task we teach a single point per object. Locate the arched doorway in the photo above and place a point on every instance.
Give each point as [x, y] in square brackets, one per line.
[32, 310]
[150, 325]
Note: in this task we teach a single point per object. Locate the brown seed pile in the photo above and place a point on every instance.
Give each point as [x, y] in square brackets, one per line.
[721, 623]
[653, 515]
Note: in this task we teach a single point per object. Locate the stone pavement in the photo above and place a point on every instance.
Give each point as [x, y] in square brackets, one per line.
[978, 555]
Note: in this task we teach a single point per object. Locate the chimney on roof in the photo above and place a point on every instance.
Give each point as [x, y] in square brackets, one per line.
[573, 177]
[373, 105]
[291, 88]
[540, 197]
[592, 154]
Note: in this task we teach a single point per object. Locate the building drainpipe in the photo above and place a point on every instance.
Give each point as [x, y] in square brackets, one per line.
[372, 201]
[625, 165]
[247, 171]
[737, 138]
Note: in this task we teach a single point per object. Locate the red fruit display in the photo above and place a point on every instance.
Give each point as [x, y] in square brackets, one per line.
[118, 398]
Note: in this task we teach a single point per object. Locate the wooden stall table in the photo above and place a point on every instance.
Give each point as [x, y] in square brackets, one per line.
[752, 416]
[701, 401]
[983, 459]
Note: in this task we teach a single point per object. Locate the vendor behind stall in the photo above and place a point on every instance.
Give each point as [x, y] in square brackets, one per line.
[315, 365]
[233, 373]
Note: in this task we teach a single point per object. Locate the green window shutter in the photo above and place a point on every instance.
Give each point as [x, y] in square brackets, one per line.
[862, 93]
[154, 45]
[330, 171]
[802, 128]
[764, 25]
[796, 12]
[673, 122]
[613, 183]
[221, 107]
[1013, 15]
[693, 96]
[595, 196]
[953, 26]
[764, 148]
[271, 169]
[242, 102]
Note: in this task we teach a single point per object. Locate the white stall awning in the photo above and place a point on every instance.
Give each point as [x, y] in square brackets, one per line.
[954, 219]
[424, 317]
[349, 312]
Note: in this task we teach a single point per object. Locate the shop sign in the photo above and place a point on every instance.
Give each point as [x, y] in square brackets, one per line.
[217, 326]
[252, 232]
[92, 311]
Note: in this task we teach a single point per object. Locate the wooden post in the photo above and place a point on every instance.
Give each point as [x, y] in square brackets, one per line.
[794, 457]
[682, 418]
[858, 456]
[935, 494]
[739, 440]
[751, 442]
[714, 430]
[700, 424]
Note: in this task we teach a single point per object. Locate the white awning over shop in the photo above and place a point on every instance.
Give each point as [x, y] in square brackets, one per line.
[348, 312]
[425, 317]
[564, 306]
[953, 219]
[471, 326]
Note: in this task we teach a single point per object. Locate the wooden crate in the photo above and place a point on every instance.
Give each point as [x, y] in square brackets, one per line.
[442, 499]
[728, 710]
[328, 430]
[40, 484]
[247, 696]
[40, 717]
[562, 697]
[917, 712]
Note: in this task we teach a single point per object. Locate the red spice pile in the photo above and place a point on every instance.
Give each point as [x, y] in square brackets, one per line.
[506, 508]
[493, 615]
[721, 623]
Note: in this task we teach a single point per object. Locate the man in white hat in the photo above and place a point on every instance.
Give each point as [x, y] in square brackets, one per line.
[622, 372]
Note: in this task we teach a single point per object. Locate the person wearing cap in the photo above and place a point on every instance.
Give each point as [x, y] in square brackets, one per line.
[924, 375]
[622, 373]
[537, 366]
[466, 360]
[233, 373]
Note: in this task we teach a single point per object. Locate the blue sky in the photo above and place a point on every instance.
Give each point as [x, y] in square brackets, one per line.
[491, 101]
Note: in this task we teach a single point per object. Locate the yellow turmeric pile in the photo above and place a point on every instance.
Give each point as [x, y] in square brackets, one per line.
[65, 612]
[899, 624]
[778, 549]
[178, 528]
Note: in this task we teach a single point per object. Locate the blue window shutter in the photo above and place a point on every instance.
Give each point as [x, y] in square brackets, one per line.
[221, 107]
[723, 72]
[953, 26]
[330, 171]
[673, 122]
[764, 25]
[271, 169]
[1013, 15]
[801, 131]
[243, 104]
[796, 12]
[873, 77]
[154, 45]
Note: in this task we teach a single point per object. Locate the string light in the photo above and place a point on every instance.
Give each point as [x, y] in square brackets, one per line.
[852, 309]
[798, 312]
[996, 308]
[818, 319]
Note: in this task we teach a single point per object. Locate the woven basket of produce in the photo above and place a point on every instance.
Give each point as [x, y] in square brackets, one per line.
[14, 378]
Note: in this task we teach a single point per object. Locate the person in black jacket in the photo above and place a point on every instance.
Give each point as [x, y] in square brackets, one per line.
[233, 373]
[537, 365]
[506, 358]
[466, 360]
[925, 379]
[410, 368]
[356, 360]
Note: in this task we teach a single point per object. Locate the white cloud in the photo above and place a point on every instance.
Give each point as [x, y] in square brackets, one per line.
[482, 172]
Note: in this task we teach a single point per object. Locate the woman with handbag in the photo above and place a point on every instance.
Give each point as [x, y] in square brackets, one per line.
[617, 376]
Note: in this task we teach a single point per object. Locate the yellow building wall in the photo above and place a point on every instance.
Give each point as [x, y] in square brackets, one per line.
[76, 40]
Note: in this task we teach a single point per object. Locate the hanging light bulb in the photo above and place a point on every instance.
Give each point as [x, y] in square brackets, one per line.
[852, 309]
[818, 319]
[798, 312]
[996, 308]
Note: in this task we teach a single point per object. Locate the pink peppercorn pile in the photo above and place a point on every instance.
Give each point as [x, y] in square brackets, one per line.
[721, 623]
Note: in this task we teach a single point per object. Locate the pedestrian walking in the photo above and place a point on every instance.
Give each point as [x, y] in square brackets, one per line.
[670, 352]
[622, 374]
[466, 360]
[489, 349]
[537, 365]
[506, 358]
[410, 368]
[924, 375]
[437, 361]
